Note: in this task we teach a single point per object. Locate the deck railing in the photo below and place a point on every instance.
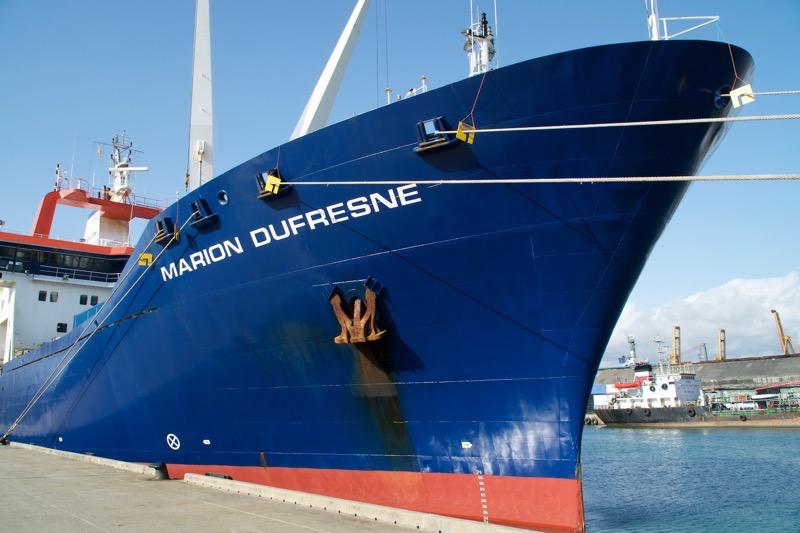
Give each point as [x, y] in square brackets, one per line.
[76, 273]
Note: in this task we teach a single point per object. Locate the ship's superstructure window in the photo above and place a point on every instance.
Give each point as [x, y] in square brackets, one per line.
[8, 261]
[58, 263]
[94, 300]
[42, 296]
[61, 327]
[54, 296]
[84, 299]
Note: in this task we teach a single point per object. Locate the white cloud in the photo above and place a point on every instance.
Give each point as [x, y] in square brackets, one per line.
[741, 306]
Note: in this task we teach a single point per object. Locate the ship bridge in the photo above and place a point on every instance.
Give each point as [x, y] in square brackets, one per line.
[44, 281]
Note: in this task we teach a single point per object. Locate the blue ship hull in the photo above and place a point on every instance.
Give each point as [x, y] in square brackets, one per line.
[498, 300]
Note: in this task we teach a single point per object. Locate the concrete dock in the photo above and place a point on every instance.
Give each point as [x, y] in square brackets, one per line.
[40, 491]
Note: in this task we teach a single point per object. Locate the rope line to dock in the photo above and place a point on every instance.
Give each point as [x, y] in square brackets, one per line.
[672, 122]
[767, 93]
[581, 180]
[62, 365]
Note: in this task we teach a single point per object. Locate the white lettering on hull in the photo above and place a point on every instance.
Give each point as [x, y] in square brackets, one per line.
[205, 257]
[318, 218]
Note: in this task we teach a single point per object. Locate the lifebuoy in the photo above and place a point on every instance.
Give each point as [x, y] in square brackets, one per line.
[691, 412]
[647, 412]
[743, 418]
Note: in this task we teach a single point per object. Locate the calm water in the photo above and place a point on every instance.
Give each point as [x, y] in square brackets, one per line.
[676, 480]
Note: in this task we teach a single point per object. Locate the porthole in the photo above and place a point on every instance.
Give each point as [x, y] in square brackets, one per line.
[222, 198]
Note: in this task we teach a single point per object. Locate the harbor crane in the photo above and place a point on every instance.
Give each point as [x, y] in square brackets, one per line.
[787, 346]
[702, 351]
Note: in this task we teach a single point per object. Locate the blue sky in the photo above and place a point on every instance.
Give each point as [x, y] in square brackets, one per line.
[72, 73]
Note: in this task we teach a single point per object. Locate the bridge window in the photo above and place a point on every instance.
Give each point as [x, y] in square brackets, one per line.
[84, 299]
[94, 300]
[54, 296]
[24, 255]
[42, 296]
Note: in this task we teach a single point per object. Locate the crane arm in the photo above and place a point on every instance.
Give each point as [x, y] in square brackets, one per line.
[784, 340]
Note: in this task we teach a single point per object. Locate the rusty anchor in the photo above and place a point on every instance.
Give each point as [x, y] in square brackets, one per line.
[358, 325]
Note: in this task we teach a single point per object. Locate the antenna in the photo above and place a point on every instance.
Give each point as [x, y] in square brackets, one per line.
[496, 35]
[479, 44]
[72, 163]
[98, 150]
[121, 169]
[471, 11]
[663, 354]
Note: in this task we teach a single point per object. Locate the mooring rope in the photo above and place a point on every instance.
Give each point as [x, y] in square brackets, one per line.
[673, 122]
[599, 179]
[62, 365]
[767, 93]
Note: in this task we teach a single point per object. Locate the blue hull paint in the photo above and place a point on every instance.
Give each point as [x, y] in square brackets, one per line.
[499, 299]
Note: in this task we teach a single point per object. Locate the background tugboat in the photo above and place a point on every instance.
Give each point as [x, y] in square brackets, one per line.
[673, 396]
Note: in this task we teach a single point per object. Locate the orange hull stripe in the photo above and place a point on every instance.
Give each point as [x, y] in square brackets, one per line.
[545, 504]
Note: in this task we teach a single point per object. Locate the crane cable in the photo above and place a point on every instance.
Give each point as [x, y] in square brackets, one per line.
[62, 365]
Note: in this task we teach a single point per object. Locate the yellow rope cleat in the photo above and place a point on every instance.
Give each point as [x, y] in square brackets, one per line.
[273, 184]
[465, 132]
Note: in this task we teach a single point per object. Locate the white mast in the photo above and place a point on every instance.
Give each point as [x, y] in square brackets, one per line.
[318, 109]
[653, 19]
[201, 132]
[479, 45]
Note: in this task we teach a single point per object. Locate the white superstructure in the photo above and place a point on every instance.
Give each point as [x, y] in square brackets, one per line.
[39, 308]
[45, 282]
[671, 386]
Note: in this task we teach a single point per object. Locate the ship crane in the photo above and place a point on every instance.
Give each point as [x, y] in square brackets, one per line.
[787, 346]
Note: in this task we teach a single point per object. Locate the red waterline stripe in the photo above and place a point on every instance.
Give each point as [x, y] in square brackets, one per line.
[545, 504]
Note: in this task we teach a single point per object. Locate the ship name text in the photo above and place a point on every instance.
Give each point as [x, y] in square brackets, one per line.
[353, 208]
